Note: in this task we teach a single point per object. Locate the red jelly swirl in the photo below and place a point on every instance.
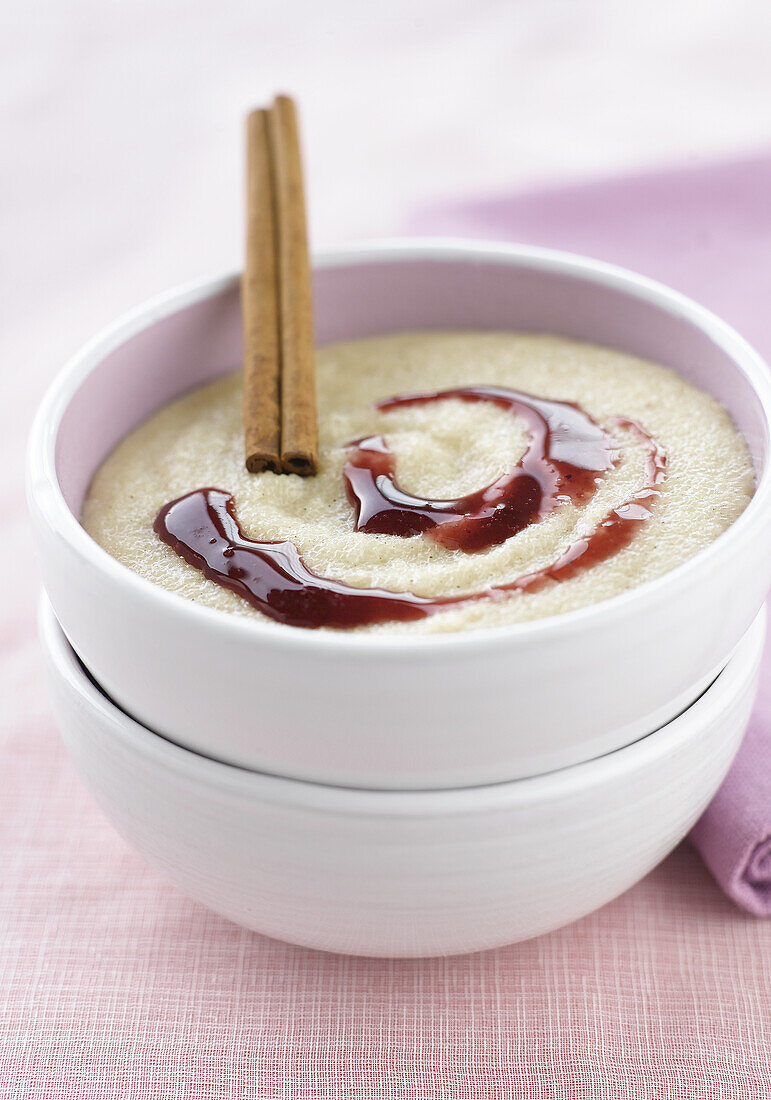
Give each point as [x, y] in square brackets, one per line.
[566, 454]
[271, 576]
[202, 528]
[617, 529]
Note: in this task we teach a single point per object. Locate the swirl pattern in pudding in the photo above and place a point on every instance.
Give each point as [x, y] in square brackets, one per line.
[445, 450]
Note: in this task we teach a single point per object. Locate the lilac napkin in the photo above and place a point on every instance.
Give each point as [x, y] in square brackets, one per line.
[705, 230]
[734, 834]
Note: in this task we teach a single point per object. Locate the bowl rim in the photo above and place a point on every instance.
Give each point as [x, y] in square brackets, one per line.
[612, 768]
[46, 497]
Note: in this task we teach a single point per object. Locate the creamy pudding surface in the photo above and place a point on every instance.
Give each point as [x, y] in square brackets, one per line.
[443, 449]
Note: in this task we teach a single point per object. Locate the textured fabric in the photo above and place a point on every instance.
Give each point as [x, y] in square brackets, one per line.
[117, 988]
[707, 233]
[734, 835]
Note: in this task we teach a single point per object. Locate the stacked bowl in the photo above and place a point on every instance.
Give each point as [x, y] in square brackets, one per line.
[391, 795]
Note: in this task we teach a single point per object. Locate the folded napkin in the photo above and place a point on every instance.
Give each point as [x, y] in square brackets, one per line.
[734, 834]
[706, 231]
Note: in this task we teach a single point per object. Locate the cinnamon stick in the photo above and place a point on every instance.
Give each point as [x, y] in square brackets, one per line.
[260, 306]
[299, 428]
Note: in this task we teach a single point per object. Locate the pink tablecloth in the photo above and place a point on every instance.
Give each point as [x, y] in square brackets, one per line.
[113, 986]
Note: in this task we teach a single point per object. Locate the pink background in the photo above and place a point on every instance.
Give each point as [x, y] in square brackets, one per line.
[120, 177]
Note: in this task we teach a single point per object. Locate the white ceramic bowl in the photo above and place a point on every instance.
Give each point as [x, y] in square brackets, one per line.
[401, 873]
[398, 712]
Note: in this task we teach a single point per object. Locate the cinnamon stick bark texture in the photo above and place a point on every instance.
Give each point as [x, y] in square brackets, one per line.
[280, 422]
[299, 427]
[260, 306]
